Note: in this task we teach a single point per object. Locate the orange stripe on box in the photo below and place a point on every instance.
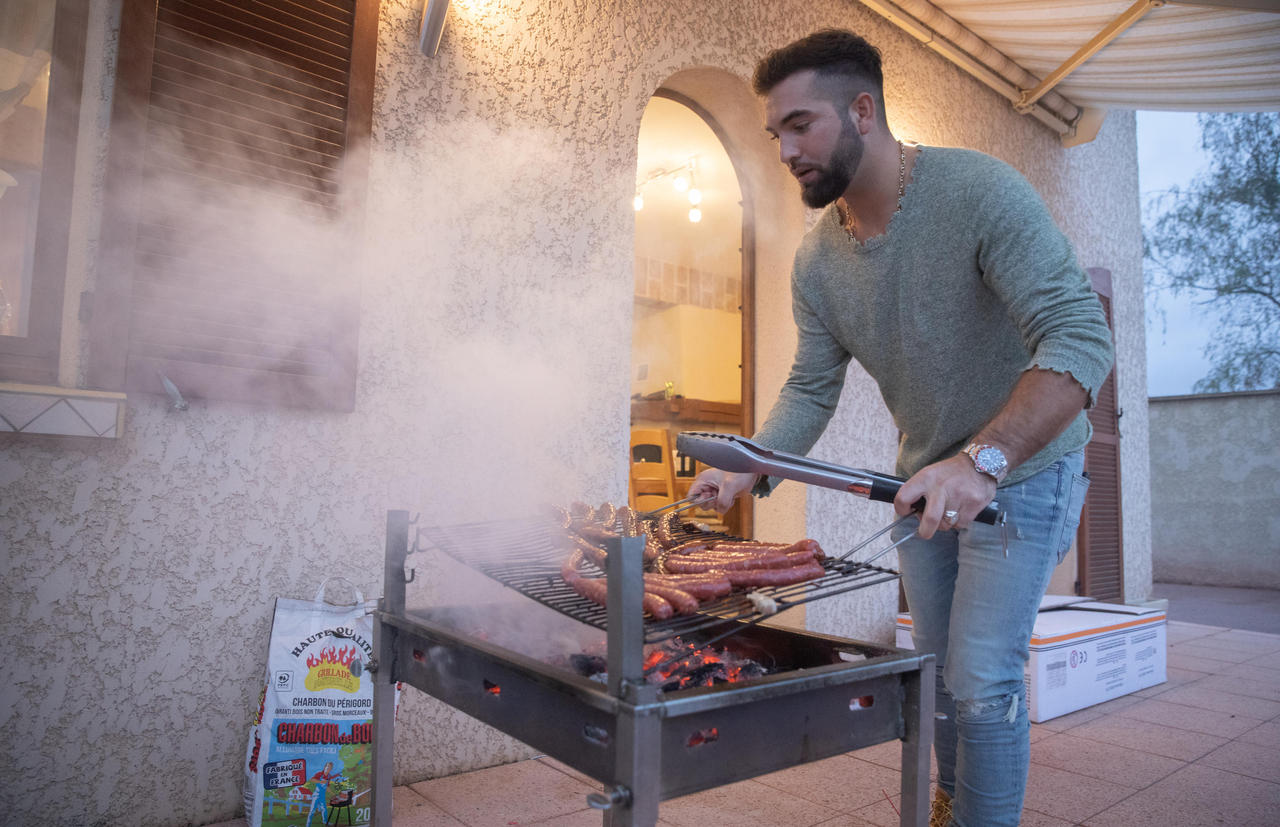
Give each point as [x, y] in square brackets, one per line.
[1040, 641]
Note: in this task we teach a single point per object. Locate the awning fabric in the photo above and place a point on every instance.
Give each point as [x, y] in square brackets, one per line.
[1175, 57]
[1067, 63]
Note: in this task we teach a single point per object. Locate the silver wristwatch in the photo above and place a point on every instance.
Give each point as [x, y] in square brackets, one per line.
[988, 459]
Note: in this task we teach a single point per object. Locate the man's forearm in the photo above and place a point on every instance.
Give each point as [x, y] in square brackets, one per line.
[1043, 403]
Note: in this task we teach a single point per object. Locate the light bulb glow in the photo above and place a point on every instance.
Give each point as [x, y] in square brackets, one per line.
[681, 183]
[638, 202]
[695, 215]
[695, 196]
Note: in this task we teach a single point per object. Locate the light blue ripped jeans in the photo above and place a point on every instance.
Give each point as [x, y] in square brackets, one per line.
[974, 609]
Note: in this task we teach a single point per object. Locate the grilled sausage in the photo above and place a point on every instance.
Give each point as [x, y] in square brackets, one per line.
[629, 521]
[710, 560]
[595, 533]
[664, 527]
[596, 589]
[776, 577]
[701, 586]
[657, 606]
[682, 601]
[688, 547]
[595, 555]
[569, 568]
[560, 516]
[741, 546]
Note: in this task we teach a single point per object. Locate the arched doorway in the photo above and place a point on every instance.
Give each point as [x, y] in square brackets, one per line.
[692, 338]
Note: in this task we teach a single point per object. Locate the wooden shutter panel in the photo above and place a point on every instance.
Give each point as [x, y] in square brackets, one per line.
[239, 203]
[1099, 543]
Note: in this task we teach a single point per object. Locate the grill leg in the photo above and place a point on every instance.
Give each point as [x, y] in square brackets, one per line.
[638, 762]
[639, 729]
[384, 720]
[917, 710]
[384, 679]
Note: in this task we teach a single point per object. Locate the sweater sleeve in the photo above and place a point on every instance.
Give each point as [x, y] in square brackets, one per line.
[809, 396]
[1029, 263]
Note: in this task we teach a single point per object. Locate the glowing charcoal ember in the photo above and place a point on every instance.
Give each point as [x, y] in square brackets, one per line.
[675, 665]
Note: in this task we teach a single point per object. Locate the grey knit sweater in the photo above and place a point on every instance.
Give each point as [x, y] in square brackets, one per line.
[971, 284]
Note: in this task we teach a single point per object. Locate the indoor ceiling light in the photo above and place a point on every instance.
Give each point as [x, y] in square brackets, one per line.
[682, 178]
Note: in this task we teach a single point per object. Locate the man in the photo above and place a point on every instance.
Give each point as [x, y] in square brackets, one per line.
[942, 273]
[321, 782]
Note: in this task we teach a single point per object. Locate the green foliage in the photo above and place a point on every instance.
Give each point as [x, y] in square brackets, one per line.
[1218, 239]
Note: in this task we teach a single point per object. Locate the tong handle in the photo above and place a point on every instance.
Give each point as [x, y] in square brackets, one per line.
[731, 452]
[884, 488]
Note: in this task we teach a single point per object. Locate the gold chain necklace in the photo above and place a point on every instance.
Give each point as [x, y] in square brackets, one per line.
[851, 223]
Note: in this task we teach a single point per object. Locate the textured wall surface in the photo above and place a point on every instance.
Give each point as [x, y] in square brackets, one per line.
[1215, 489]
[138, 574]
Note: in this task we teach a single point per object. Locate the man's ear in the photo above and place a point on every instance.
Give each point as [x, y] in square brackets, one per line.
[862, 111]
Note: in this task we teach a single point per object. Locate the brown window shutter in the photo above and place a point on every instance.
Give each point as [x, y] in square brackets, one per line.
[234, 200]
[1099, 545]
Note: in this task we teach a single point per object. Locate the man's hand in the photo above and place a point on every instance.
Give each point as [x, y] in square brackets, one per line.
[950, 485]
[725, 486]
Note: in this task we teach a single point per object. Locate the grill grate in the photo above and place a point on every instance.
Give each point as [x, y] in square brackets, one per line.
[526, 555]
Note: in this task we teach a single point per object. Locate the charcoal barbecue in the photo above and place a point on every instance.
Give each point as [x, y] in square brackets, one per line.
[823, 696]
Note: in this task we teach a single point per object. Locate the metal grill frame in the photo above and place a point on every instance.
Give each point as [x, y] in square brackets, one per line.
[630, 735]
[526, 555]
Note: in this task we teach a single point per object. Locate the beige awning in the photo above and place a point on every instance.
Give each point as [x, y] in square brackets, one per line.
[1067, 62]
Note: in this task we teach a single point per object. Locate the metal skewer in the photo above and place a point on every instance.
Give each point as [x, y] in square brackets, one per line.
[675, 507]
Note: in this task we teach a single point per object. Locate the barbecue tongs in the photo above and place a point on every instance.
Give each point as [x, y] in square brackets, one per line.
[730, 452]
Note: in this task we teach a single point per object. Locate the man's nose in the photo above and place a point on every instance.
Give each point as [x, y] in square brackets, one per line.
[788, 152]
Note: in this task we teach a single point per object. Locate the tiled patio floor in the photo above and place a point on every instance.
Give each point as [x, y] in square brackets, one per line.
[1200, 749]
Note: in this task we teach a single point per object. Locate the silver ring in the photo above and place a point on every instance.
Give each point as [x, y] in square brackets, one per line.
[950, 516]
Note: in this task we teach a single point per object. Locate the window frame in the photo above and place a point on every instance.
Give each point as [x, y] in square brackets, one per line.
[34, 358]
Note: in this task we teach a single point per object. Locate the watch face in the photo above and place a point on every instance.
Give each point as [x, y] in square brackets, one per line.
[991, 460]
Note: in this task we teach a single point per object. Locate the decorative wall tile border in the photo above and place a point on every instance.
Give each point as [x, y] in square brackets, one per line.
[677, 284]
[50, 411]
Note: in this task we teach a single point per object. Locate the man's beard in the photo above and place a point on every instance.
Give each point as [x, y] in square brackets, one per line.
[834, 178]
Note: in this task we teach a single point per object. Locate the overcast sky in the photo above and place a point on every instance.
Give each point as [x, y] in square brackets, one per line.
[1169, 153]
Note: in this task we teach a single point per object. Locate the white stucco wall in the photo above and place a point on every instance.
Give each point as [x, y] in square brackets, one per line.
[495, 331]
[1215, 489]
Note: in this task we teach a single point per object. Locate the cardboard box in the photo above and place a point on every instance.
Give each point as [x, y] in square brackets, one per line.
[1084, 653]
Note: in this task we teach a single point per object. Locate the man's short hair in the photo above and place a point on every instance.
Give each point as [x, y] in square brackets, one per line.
[834, 54]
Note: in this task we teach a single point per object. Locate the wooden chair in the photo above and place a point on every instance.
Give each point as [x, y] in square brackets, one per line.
[653, 475]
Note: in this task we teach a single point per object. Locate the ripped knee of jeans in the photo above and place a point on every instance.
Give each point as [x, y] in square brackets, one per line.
[989, 710]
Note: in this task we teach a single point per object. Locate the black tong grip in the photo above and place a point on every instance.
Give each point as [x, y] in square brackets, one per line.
[884, 488]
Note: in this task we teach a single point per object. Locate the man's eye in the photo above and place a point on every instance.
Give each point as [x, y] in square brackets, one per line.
[801, 127]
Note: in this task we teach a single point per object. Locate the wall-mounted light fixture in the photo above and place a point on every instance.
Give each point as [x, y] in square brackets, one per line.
[682, 178]
[432, 27]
